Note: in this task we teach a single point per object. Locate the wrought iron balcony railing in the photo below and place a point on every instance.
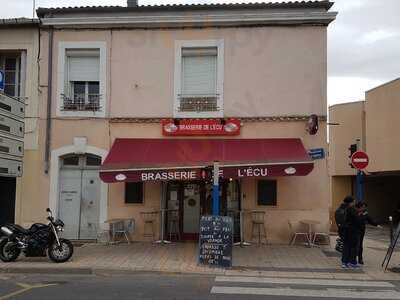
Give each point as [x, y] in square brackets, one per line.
[198, 103]
[81, 102]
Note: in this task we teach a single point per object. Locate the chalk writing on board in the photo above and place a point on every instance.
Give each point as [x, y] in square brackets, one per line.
[216, 240]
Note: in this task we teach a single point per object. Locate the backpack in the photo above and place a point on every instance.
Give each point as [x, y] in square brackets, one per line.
[340, 216]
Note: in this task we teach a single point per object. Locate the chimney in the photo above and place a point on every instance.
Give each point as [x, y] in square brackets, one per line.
[132, 3]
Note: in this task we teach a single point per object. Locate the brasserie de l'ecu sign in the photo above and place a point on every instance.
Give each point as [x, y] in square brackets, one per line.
[198, 127]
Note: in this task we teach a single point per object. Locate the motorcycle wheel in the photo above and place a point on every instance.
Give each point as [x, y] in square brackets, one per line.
[9, 251]
[61, 254]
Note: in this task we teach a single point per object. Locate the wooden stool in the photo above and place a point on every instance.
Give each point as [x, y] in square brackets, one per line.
[149, 219]
[258, 226]
[173, 225]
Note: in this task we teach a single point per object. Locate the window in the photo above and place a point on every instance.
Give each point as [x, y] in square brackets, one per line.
[11, 64]
[266, 192]
[134, 192]
[82, 80]
[198, 78]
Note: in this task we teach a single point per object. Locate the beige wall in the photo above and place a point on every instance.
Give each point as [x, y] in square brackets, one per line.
[382, 119]
[268, 71]
[349, 117]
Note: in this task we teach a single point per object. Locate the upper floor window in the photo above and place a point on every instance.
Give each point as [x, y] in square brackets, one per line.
[11, 65]
[82, 79]
[198, 79]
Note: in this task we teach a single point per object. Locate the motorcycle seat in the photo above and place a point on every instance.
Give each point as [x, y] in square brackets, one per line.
[19, 228]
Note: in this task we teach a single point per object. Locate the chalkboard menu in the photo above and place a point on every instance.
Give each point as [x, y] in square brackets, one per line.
[392, 246]
[216, 240]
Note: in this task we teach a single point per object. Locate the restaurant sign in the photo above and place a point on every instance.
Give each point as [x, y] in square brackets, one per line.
[190, 127]
[296, 169]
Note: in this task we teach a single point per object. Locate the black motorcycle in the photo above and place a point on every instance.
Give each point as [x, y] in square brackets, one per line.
[36, 241]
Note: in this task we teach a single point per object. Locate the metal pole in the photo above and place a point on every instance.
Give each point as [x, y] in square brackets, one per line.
[360, 186]
[391, 229]
[215, 193]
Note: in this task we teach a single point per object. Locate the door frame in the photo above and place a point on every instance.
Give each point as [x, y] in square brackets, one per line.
[54, 190]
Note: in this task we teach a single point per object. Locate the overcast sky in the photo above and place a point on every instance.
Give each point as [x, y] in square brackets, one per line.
[363, 42]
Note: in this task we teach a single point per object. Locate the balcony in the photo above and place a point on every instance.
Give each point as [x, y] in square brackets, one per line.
[81, 102]
[198, 103]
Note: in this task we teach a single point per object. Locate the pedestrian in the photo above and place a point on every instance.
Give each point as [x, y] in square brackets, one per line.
[365, 219]
[351, 235]
[340, 219]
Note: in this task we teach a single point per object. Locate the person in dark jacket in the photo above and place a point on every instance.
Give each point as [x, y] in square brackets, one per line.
[365, 219]
[351, 235]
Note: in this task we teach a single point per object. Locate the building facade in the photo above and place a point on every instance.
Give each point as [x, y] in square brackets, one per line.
[19, 140]
[127, 85]
[372, 123]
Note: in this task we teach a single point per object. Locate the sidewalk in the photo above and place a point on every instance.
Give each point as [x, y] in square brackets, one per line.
[267, 260]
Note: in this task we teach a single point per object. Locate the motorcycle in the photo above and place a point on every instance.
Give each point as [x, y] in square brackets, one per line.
[37, 241]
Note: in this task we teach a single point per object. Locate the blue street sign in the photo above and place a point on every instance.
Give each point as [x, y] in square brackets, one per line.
[317, 153]
[2, 80]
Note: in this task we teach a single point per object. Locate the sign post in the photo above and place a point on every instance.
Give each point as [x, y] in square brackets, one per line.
[215, 193]
[360, 160]
[2, 80]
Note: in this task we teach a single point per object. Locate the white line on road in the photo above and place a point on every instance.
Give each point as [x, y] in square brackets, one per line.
[303, 281]
[329, 293]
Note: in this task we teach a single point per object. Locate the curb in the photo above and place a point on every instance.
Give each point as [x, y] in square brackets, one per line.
[72, 271]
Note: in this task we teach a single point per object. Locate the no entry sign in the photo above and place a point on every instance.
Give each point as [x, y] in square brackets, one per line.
[359, 160]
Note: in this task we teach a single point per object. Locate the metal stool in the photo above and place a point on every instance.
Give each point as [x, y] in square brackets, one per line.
[149, 219]
[258, 226]
[173, 225]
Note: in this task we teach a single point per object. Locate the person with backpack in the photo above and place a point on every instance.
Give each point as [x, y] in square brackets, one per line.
[365, 219]
[351, 231]
[340, 218]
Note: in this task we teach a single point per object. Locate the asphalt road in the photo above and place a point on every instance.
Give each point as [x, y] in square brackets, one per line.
[163, 286]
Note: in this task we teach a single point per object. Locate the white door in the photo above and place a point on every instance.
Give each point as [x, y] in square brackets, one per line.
[79, 201]
[191, 208]
[90, 206]
[70, 201]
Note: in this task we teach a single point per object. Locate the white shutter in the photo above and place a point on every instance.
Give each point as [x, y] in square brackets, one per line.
[199, 71]
[83, 68]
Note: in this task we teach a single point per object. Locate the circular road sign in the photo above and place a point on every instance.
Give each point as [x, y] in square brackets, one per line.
[359, 160]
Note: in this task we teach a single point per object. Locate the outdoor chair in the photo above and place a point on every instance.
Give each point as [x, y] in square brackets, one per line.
[295, 234]
[123, 228]
[324, 235]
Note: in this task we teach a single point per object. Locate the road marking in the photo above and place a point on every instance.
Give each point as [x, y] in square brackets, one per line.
[328, 293]
[25, 288]
[303, 281]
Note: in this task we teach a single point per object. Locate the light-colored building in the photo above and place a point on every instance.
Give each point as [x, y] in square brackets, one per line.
[19, 47]
[119, 76]
[373, 122]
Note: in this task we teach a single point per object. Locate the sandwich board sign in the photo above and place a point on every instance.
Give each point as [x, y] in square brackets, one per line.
[2, 80]
[391, 248]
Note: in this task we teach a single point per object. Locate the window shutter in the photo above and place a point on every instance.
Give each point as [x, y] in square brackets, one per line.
[83, 68]
[199, 71]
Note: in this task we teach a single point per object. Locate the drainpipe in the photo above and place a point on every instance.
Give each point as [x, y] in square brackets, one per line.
[49, 93]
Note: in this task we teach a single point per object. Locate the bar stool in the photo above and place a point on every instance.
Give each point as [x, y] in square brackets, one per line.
[258, 226]
[149, 219]
[173, 224]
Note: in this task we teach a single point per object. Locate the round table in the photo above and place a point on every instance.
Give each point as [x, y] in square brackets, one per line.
[310, 224]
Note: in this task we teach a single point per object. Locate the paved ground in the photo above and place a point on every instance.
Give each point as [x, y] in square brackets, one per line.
[166, 286]
[269, 260]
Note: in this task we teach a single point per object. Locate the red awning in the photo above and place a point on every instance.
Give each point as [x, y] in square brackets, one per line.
[184, 159]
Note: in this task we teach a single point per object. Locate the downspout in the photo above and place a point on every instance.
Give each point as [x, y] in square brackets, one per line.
[49, 93]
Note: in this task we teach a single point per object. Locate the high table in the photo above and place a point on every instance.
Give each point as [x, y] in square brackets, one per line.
[162, 219]
[241, 221]
[310, 224]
